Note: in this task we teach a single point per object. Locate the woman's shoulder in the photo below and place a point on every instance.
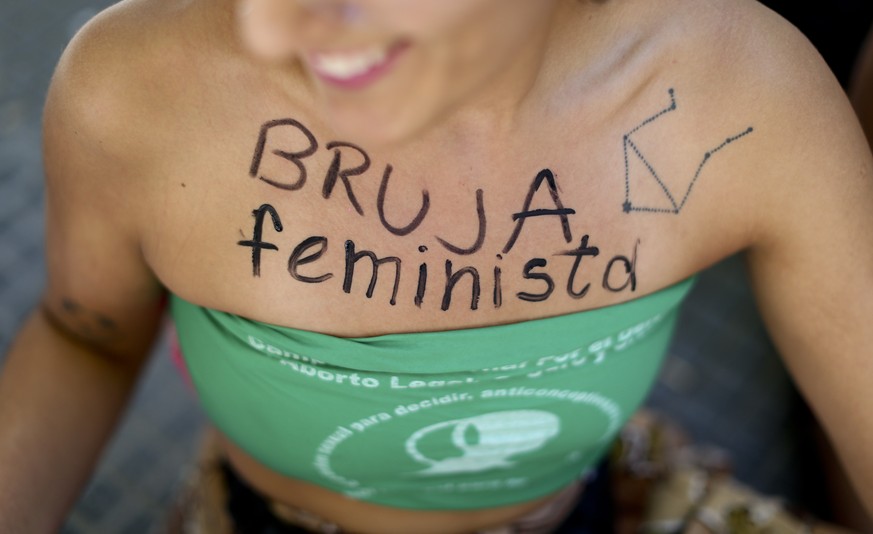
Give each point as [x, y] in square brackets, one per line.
[808, 141]
[118, 106]
[723, 120]
[728, 62]
[123, 72]
[737, 66]
[747, 56]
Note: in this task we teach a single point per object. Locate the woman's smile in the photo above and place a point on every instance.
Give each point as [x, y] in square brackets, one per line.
[355, 69]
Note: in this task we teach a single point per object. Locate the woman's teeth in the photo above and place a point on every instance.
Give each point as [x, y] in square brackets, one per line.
[347, 65]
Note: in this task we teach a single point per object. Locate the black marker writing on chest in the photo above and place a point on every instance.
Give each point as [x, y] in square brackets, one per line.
[534, 283]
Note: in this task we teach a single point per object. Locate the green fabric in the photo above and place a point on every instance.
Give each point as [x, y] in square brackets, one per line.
[458, 419]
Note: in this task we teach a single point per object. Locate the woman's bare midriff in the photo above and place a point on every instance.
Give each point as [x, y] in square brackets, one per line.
[362, 517]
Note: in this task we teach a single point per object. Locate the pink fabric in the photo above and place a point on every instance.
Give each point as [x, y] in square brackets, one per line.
[178, 359]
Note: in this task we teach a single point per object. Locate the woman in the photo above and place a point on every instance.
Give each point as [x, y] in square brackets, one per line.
[381, 222]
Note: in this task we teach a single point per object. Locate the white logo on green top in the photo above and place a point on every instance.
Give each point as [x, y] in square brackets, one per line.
[486, 441]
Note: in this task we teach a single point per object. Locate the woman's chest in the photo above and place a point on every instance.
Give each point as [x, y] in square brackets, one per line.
[288, 225]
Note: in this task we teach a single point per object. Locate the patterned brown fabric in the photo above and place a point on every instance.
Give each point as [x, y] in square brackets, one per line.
[660, 484]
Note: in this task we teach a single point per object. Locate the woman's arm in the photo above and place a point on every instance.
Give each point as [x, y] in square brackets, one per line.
[75, 362]
[812, 260]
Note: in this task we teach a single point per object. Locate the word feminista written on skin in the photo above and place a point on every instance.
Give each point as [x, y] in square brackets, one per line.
[615, 275]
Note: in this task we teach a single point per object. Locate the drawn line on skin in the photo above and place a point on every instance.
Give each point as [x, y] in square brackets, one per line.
[480, 234]
[654, 173]
[293, 157]
[335, 172]
[708, 156]
[256, 243]
[628, 205]
[656, 116]
[380, 207]
[626, 175]
[544, 176]
[648, 210]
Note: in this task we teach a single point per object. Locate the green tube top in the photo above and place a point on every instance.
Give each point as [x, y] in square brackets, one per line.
[450, 420]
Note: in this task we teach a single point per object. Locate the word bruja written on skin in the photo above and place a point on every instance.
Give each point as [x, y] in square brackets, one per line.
[618, 274]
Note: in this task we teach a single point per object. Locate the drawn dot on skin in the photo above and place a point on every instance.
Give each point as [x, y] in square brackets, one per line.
[422, 249]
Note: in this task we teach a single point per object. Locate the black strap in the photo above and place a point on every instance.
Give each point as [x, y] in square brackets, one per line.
[249, 510]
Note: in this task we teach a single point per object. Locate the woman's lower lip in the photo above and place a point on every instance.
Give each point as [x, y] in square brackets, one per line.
[370, 76]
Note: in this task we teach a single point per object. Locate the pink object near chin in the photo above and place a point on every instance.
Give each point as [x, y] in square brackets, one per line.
[177, 358]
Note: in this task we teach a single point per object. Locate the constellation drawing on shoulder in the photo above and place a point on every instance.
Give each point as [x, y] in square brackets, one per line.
[671, 200]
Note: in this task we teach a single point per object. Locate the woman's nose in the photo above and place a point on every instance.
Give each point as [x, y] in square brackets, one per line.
[277, 29]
